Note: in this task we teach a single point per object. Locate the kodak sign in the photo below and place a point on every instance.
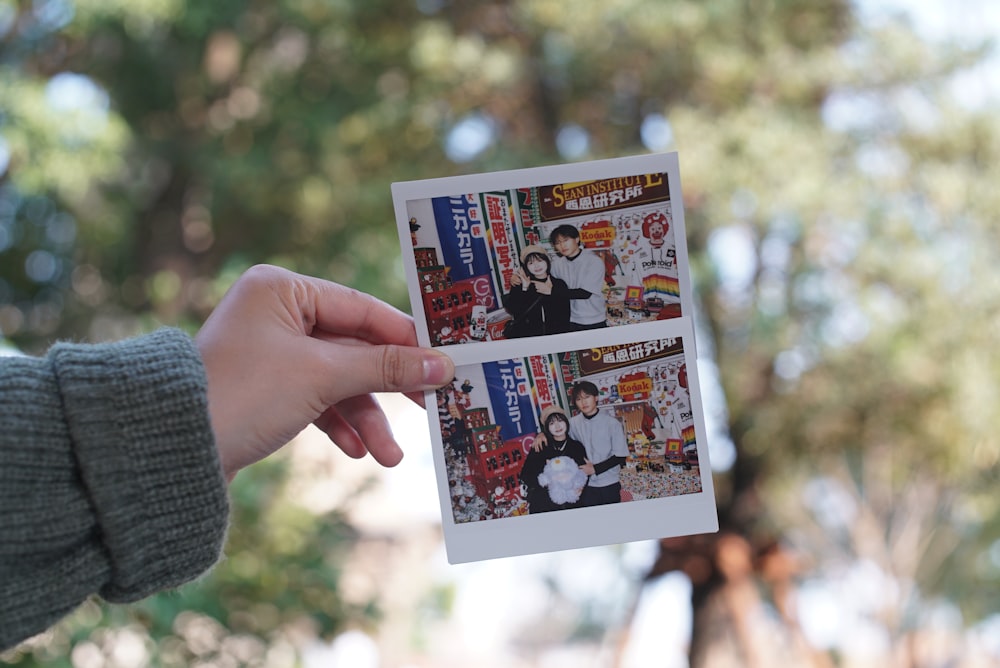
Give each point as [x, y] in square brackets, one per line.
[635, 387]
[597, 234]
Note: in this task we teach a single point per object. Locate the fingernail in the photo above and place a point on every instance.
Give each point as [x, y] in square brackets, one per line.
[438, 370]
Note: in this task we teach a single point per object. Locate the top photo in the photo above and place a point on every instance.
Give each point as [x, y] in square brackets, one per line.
[541, 260]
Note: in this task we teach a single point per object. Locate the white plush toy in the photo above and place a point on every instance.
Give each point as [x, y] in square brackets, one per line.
[563, 478]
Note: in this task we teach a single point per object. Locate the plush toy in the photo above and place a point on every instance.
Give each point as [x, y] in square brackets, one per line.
[563, 478]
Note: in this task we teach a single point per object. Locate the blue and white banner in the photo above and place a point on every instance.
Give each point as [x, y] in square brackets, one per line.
[510, 397]
[460, 228]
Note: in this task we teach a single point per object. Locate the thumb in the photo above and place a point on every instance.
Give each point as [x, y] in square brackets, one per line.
[391, 368]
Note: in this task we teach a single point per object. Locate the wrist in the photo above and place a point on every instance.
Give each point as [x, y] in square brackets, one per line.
[145, 442]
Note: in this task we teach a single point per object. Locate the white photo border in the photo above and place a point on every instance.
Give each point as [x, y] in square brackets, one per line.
[405, 192]
[581, 527]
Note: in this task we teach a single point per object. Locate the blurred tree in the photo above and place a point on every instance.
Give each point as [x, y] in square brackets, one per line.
[237, 133]
[839, 205]
[842, 288]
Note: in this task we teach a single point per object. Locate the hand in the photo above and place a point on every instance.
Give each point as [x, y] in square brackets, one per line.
[539, 443]
[544, 288]
[588, 467]
[283, 350]
[518, 278]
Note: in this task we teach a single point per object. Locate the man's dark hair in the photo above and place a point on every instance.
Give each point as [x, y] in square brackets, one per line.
[564, 230]
[583, 387]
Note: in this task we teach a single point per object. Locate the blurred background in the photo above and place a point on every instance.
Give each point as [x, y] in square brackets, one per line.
[839, 163]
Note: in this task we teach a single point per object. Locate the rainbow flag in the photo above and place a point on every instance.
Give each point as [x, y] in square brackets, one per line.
[666, 285]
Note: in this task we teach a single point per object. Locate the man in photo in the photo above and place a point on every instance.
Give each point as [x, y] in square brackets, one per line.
[603, 438]
[583, 273]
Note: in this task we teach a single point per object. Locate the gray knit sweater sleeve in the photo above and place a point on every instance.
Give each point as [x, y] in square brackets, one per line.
[109, 478]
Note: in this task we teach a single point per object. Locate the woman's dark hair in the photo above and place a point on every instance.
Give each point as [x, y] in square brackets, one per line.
[554, 416]
[539, 256]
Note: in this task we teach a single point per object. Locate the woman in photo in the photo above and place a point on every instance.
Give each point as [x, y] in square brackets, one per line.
[559, 485]
[538, 302]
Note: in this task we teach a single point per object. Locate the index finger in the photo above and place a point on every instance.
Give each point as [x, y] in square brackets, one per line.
[338, 309]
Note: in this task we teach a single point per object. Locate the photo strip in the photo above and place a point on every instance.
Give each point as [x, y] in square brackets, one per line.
[542, 260]
[517, 432]
[563, 296]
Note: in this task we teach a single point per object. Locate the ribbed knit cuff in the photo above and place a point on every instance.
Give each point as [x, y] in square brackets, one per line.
[138, 417]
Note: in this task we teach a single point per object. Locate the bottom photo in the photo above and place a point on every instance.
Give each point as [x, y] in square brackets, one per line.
[563, 431]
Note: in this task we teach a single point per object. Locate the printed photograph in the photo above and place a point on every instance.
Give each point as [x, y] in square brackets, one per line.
[546, 260]
[507, 272]
[570, 430]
